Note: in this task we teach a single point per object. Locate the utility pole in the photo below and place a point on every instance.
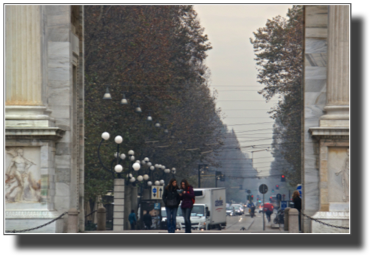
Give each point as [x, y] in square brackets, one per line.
[199, 173]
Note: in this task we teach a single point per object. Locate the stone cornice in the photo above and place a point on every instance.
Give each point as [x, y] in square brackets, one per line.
[50, 133]
[330, 132]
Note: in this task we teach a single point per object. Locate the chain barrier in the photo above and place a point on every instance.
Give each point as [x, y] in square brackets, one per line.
[90, 213]
[26, 230]
[331, 225]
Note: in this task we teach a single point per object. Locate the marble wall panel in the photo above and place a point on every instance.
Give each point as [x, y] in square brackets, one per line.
[316, 33]
[59, 97]
[315, 85]
[315, 73]
[63, 161]
[63, 148]
[61, 112]
[59, 53]
[338, 171]
[63, 175]
[62, 189]
[45, 156]
[62, 203]
[58, 34]
[315, 60]
[316, 16]
[316, 46]
[58, 84]
[64, 124]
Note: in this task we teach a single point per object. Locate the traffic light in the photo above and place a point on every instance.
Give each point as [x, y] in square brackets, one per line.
[251, 197]
[270, 199]
[283, 196]
[248, 197]
[277, 186]
[272, 190]
[283, 178]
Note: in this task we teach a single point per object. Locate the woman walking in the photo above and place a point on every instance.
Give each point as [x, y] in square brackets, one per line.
[187, 197]
[297, 205]
[171, 201]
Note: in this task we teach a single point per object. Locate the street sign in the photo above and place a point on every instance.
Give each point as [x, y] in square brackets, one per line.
[157, 206]
[157, 192]
[263, 188]
[278, 196]
[283, 205]
[299, 188]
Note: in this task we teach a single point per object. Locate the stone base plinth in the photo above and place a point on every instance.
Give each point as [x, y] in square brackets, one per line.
[27, 219]
[337, 218]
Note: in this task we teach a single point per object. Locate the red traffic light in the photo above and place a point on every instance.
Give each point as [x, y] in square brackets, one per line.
[282, 176]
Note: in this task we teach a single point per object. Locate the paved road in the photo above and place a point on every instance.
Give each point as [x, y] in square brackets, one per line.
[234, 224]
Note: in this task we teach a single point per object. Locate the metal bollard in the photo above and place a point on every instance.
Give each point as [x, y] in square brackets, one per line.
[101, 219]
[293, 221]
[72, 226]
[286, 219]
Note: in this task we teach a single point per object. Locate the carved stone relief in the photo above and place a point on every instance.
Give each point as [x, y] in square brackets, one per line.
[22, 175]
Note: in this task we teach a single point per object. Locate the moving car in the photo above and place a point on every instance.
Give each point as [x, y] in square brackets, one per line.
[239, 210]
[230, 211]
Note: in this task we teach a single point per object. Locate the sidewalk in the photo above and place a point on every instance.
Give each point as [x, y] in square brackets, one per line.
[257, 226]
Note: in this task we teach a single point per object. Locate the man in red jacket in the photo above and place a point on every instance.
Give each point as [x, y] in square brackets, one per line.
[268, 209]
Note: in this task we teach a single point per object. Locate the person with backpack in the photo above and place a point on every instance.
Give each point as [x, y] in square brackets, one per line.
[188, 200]
[171, 201]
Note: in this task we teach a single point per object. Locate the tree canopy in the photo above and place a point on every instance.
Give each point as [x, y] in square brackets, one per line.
[279, 54]
[153, 56]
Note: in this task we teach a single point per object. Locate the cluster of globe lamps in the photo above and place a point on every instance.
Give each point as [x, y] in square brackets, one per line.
[137, 165]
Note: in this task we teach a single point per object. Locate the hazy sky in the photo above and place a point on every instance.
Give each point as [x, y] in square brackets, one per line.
[234, 73]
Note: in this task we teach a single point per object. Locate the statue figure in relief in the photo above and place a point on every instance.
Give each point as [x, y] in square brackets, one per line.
[19, 182]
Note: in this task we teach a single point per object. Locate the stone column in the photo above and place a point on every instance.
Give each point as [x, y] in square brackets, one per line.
[23, 55]
[337, 107]
[23, 68]
[119, 202]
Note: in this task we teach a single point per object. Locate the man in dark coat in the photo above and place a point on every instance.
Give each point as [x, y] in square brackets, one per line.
[147, 219]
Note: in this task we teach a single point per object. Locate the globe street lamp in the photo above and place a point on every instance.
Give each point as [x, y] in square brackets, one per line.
[117, 170]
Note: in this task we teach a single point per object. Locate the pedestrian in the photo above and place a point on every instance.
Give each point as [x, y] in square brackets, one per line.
[187, 197]
[268, 209]
[147, 220]
[171, 201]
[252, 209]
[132, 219]
[297, 205]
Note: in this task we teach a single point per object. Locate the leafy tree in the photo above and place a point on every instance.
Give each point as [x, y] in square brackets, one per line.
[154, 55]
[278, 49]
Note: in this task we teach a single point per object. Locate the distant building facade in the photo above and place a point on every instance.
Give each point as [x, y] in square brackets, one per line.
[325, 171]
[44, 175]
